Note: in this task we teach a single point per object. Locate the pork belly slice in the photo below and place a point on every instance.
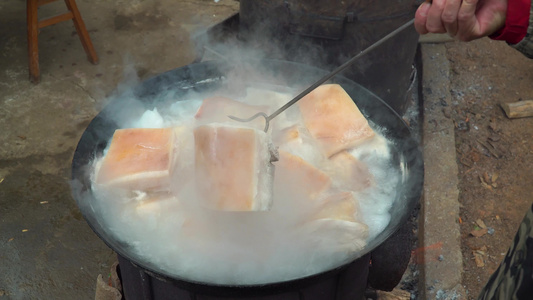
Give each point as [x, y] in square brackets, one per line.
[274, 100]
[336, 235]
[340, 206]
[348, 172]
[299, 179]
[333, 119]
[289, 135]
[336, 227]
[233, 168]
[138, 159]
[297, 141]
[217, 110]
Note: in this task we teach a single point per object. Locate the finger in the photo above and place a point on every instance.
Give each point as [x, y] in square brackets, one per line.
[421, 18]
[449, 16]
[466, 20]
[434, 22]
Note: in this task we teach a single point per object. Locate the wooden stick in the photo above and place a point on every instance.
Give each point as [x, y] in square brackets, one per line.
[33, 41]
[518, 109]
[43, 2]
[396, 294]
[492, 151]
[56, 19]
[82, 31]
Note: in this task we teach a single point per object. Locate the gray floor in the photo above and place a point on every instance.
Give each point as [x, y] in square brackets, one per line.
[47, 251]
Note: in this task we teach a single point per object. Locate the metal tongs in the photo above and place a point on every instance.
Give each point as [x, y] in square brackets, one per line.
[268, 118]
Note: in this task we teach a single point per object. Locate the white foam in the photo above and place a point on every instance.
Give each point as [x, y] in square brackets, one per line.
[150, 119]
[182, 112]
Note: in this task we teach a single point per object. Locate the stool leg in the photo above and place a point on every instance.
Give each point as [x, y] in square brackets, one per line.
[82, 31]
[33, 40]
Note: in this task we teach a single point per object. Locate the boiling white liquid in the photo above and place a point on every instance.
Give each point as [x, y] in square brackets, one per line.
[176, 236]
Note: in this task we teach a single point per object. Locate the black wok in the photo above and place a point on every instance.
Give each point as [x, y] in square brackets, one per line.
[208, 77]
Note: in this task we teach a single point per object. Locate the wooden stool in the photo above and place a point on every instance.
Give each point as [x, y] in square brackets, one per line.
[33, 32]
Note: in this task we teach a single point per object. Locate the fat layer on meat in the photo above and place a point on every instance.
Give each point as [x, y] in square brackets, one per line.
[233, 168]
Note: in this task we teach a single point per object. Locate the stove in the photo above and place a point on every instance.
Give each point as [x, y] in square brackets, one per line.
[283, 31]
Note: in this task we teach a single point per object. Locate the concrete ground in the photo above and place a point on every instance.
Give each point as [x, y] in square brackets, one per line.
[440, 278]
[47, 251]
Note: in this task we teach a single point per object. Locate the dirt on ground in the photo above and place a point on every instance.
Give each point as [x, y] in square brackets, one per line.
[494, 152]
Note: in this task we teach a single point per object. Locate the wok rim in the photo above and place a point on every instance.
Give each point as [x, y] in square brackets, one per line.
[413, 199]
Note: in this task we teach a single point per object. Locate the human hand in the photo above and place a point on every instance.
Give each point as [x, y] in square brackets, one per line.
[464, 20]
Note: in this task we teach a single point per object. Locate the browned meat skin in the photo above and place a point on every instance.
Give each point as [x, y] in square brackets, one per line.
[333, 119]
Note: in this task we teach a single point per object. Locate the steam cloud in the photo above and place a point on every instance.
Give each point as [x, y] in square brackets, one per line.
[174, 235]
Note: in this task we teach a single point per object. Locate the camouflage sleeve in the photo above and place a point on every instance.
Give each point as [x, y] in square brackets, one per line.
[514, 277]
[526, 45]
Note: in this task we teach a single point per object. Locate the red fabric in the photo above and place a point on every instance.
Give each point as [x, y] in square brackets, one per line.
[516, 22]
